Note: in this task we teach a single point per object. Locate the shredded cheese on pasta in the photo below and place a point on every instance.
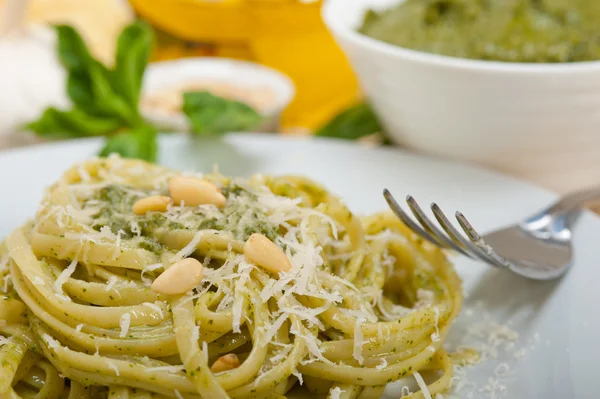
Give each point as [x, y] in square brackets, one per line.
[364, 303]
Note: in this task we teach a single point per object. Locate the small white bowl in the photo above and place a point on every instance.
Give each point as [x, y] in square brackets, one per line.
[166, 75]
[537, 121]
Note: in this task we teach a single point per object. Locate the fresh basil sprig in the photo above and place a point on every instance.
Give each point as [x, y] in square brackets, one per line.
[57, 124]
[105, 100]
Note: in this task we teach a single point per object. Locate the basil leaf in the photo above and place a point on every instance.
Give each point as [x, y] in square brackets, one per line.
[210, 114]
[107, 100]
[133, 143]
[79, 90]
[133, 52]
[72, 50]
[353, 123]
[70, 124]
[92, 86]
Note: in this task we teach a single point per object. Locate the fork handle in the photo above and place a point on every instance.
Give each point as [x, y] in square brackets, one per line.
[567, 210]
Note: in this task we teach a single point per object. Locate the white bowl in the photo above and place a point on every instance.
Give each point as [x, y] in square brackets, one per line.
[537, 121]
[165, 75]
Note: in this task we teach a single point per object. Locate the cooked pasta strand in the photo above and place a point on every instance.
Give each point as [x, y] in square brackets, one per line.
[365, 302]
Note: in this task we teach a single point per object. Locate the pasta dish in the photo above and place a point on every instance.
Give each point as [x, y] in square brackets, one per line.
[136, 281]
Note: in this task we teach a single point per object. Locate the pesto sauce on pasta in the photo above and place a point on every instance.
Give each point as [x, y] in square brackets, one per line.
[365, 303]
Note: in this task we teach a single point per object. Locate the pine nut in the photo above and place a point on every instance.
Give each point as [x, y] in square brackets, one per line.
[225, 362]
[180, 278]
[264, 253]
[156, 203]
[194, 192]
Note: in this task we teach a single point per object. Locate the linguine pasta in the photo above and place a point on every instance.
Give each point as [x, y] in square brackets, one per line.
[365, 302]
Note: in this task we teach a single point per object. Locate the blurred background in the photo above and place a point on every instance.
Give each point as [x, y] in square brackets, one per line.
[286, 35]
[299, 67]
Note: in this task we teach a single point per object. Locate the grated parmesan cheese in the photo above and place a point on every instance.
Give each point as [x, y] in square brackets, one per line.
[83, 173]
[493, 387]
[106, 232]
[149, 268]
[168, 369]
[244, 269]
[135, 228]
[62, 278]
[335, 393]
[383, 364]
[307, 314]
[124, 323]
[191, 246]
[111, 282]
[298, 375]
[283, 352]
[6, 282]
[154, 307]
[205, 351]
[422, 385]
[396, 312]
[435, 337]
[52, 343]
[520, 353]
[83, 217]
[312, 343]
[112, 366]
[274, 327]
[195, 335]
[4, 263]
[424, 298]
[358, 342]
[79, 327]
[37, 280]
[502, 369]
[117, 250]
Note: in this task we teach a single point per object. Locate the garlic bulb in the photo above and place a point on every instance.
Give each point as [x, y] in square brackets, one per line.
[31, 77]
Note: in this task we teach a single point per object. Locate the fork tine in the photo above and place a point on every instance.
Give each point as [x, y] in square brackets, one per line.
[478, 241]
[471, 249]
[454, 240]
[430, 227]
[452, 233]
[397, 209]
[467, 227]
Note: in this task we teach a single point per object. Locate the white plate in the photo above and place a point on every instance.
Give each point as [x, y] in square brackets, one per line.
[556, 322]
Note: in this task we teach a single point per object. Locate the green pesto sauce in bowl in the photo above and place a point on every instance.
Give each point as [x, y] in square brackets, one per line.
[530, 31]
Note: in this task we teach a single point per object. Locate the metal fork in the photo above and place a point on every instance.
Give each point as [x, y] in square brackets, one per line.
[539, 247]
